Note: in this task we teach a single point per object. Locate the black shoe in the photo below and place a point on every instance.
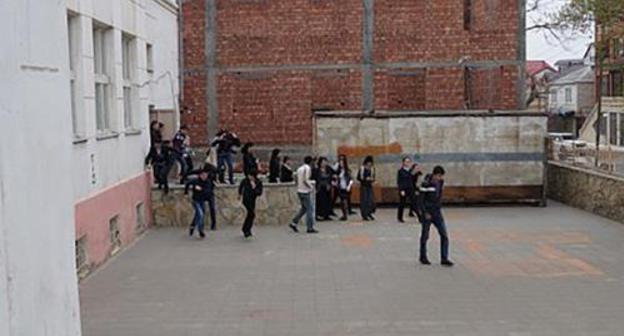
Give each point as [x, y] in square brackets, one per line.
[191, 230]
[371, 217]
[202, 234]
[351, 212]
[293, 227]
[365, 219]
[401, 220]
[247, 234]
[447, 263]
[411, 214]
[312, 231]
[425, 261]
[343, 218]
[213, 228]
[328, 218]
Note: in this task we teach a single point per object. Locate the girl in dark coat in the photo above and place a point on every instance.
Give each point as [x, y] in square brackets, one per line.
[286, 173]
[274, 166]
[344, 182]
[323, 179]
[250, 163]
[366, 176]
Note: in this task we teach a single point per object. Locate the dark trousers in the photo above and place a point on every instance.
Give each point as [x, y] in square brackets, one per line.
[438, 221]
[249, 219]
[405, 200]
[161, 172]
[323, 203]
[345, 202]
[225, 159]
[179, 157]
[367, 201]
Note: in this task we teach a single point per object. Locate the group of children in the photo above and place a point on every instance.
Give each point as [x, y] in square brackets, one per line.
[328, 182]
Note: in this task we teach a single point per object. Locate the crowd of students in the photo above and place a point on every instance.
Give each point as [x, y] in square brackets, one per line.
[330, 183]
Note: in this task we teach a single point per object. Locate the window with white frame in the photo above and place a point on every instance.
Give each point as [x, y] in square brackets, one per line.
[128, 56]
[149, 52]
[553, 96]
[568, 95]
[102, 75]
[73, 38]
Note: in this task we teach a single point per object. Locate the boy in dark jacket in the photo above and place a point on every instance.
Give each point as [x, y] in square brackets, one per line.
[405, 183]
[249, 190]
[203, 191]
[161, 158]
[431, 199]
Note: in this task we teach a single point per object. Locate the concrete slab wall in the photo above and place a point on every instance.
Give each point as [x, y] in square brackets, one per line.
[586, 189]
[276, 206]
[478, 151]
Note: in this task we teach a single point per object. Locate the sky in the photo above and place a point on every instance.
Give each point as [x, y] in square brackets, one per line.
[540, 46]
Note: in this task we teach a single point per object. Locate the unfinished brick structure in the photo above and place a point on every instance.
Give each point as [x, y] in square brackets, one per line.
[262, 67]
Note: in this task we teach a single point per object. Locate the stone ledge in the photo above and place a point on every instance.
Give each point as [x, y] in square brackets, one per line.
[276, 206]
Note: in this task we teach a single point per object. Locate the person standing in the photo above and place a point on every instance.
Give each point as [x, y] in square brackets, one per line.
[414, 210]
[274, 166]
[405, 184]
[323, 178]
[366, 177]
[286, 172]
[250, 163]
[180, 147]
[203, 191]
[225, 143]
[156, 132]
[432, 211]
[345, 182]
[161, 158]
[305, 186]
[249, 190]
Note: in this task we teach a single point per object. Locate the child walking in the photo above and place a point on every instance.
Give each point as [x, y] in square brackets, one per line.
[249, 190]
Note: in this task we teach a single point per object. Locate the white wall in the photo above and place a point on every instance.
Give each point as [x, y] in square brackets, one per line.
[100, 162]
[38, 285]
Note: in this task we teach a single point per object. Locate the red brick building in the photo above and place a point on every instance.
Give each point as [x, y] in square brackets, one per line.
[262, 67]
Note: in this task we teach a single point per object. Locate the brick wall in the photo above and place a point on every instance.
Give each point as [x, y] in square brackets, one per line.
[277, 61]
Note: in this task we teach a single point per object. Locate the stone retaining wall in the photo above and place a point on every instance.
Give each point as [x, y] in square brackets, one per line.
[586, 189]
[276, 206]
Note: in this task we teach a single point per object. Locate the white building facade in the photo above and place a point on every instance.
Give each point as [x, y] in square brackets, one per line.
[77, 81]
[123, 60]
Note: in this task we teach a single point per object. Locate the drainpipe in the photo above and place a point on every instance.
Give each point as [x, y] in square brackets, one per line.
[180, 63]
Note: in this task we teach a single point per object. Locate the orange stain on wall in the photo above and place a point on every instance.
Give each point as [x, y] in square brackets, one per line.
[361, 151]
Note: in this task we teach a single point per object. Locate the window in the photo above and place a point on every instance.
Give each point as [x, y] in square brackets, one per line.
[73, 37]
[617, 83]
[149, 51]
[140, 218]
[128, 56]
[613, 123]
[102, 70]
[114, 235]
[82, 261]
[553, 96]
[568, 95]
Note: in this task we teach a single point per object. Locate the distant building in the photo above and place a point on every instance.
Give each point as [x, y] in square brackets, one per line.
[566, 66]
[538, 74]
[571, 99]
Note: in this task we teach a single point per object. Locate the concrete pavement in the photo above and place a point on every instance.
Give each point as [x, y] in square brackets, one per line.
[521, 271]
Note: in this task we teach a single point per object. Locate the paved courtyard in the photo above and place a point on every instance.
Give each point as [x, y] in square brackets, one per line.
[520, 271]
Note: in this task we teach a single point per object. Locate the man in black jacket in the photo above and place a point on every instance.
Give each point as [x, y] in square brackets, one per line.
[225, 141]
[161, 158]
[431, 195]
[249, 190]
[405, 183]
[203, 191]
